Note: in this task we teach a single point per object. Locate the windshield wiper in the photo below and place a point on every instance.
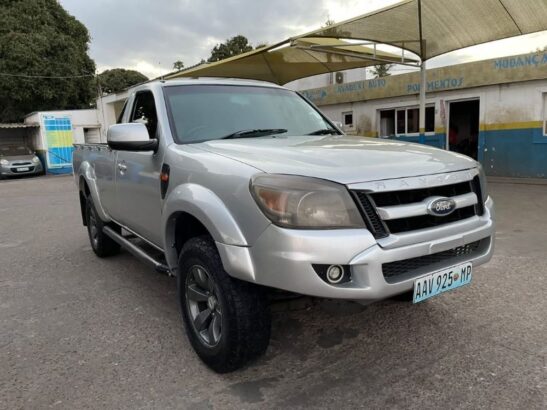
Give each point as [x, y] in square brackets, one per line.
[324, 131]
[259, 132]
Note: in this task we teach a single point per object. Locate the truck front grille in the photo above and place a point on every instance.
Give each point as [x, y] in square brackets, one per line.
[372, 220]
[428, 221]
[369, 202]
[408, 268]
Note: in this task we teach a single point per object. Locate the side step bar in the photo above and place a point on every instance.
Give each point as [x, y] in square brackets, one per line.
[136, 251]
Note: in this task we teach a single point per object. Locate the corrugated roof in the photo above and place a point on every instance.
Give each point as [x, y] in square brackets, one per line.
[19, 125]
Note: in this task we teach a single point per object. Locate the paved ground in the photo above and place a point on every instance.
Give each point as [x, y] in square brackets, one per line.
[80, 332]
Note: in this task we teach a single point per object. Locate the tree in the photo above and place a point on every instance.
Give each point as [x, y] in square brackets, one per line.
[118, 79]
[331, 31]
[329, 22]
[232, 47]
[178, 65]
[381, 70]
[39, 38]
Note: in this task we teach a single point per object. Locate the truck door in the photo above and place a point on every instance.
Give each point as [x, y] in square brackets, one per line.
[138, 176]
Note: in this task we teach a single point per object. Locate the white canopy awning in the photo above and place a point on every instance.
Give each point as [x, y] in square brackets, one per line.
[293, 59]
[430, 28]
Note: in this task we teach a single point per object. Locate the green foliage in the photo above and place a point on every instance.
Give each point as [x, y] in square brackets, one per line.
[38, 37]
[331, 31]
[232, 47]
[118, 79]
[381, 70]
[329, 22]
[178, 65]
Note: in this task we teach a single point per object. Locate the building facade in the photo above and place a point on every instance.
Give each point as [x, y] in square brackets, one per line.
[493, 110]
[109, 108]
[57, 131]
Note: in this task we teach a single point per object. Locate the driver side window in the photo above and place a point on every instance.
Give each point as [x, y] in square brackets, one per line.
[144, 111]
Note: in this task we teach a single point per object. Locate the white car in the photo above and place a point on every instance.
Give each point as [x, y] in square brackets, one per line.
[16, 160]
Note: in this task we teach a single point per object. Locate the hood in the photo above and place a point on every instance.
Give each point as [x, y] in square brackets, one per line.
[18, 158]
[342, 159]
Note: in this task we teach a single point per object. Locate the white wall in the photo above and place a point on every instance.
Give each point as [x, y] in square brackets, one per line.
[80, 119]
[92, 135]
[506, 103]
[35, 134]
[108, 110]
[323, 80]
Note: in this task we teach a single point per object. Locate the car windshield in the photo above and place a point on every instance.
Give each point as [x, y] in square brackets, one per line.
[207, 112]
[9, 150]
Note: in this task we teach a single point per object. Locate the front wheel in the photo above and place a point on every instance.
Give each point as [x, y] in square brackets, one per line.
[227, 320]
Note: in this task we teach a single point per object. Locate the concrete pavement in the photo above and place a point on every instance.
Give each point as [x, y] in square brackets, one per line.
[82, 332]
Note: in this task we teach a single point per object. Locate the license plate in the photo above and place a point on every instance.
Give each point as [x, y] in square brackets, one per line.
[442, 281]
[23, 169]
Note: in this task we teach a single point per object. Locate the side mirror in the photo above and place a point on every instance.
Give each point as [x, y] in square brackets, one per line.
[130, 137]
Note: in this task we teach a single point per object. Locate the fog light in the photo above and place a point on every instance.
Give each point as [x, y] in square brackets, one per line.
[335, 273]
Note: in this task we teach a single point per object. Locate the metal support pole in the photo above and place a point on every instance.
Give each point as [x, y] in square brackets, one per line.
[423, 85]
[423, 79]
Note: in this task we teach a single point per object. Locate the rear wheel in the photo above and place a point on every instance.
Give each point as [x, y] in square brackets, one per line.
[101, 244]
[227, 320]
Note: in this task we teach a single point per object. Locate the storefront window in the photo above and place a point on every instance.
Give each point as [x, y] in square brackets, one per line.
[406, 121]
[401, 122]
[412, 122]
[347, 118]
[430, 119]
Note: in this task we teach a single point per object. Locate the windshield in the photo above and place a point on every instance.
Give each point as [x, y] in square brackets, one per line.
[207, 112]
[9, 150]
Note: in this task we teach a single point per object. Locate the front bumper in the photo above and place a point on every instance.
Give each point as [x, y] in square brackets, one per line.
[11, 170]
[284, 259]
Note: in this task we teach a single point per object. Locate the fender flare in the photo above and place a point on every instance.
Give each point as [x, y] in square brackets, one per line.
[87, 172]
[204, 205]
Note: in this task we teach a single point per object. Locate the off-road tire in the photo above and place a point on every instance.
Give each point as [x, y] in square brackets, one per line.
[101, 244]
[245, 319]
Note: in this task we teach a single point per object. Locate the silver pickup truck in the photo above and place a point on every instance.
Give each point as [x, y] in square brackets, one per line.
[237, 187]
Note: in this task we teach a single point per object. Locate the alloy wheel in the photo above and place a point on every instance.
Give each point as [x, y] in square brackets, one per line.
[93, 229]
[204, 306]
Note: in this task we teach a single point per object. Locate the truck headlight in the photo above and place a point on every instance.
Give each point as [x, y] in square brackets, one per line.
[305, 203]
[4, 162]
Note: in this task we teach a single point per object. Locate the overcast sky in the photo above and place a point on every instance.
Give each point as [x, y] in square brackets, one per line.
[149, 36]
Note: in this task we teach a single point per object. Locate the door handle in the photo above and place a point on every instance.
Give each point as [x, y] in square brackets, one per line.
[122, 167]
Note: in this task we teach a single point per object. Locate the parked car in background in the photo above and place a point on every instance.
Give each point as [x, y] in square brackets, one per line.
[243, 186]
[19, 160]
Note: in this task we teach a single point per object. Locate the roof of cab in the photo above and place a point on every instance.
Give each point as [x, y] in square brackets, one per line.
[215, 81]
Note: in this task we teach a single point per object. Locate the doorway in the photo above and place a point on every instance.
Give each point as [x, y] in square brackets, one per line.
[463, 127]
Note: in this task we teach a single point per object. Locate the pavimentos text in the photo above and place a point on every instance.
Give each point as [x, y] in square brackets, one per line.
[241, 187]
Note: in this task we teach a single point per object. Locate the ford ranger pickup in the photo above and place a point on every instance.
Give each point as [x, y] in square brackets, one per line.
[240, 187]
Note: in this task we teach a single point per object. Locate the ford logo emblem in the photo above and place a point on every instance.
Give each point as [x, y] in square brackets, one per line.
[441, 206]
